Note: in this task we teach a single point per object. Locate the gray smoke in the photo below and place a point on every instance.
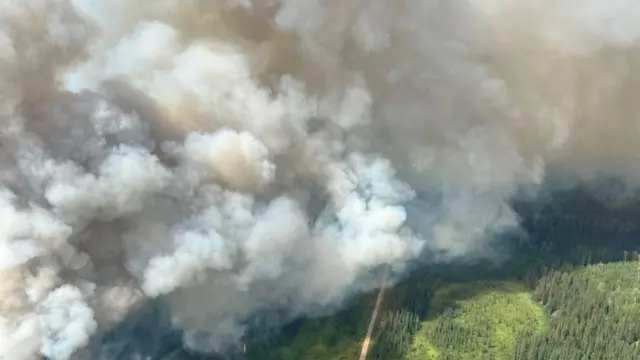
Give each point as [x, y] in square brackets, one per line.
[240, 156]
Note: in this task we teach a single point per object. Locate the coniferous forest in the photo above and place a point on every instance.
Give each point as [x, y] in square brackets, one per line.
[570, 291]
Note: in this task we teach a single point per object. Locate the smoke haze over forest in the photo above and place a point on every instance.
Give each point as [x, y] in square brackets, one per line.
[242, 156]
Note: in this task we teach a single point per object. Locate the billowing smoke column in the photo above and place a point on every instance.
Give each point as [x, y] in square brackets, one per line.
[241, 156]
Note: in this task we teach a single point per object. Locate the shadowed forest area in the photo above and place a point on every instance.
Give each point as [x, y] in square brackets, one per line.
[570, 290]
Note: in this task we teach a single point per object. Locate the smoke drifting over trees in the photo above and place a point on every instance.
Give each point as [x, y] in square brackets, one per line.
[241, 156]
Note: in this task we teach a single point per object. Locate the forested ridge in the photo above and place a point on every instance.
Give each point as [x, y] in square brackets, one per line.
[564, 294]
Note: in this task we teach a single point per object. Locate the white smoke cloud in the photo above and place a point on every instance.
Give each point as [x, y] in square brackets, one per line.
[240, 156]
[66, 320]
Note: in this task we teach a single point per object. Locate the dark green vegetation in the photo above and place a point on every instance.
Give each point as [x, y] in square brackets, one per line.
[589, 312]
[561, 296]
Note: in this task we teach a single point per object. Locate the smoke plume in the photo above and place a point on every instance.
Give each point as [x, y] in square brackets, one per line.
[245, 155]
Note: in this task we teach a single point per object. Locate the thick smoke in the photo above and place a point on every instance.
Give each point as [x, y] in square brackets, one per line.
[244, 156]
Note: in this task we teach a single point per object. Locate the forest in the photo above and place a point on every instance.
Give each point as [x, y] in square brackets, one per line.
[570, 291]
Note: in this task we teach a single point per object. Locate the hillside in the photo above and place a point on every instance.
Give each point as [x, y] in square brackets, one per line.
[477, 320]
[571, 313]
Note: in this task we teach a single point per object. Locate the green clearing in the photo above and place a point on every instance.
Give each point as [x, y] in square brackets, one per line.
[488, 314]
[477, 321]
